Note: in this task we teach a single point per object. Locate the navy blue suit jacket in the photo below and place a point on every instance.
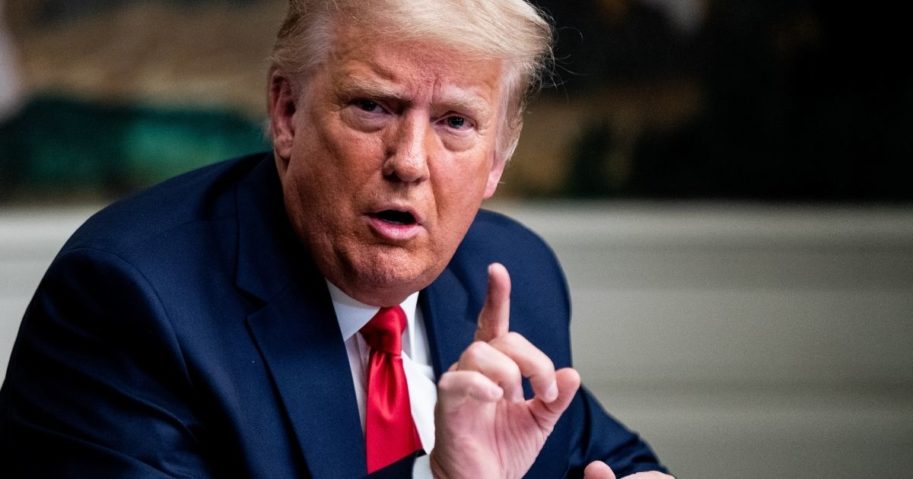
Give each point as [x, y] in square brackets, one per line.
[186, 333]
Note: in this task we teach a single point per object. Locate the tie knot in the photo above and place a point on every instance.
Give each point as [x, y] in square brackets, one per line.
[384, 332]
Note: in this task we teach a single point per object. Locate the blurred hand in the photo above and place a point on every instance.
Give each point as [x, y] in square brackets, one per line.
[483, 425]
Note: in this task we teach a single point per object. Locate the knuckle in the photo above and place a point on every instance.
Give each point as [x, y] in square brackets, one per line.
[477, 348]
[446, 383]
[456, 382]
[514, 338]
[473, 352]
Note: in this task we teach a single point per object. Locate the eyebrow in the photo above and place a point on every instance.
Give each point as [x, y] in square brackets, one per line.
[351, 85]
[453, 98]
[464, 100]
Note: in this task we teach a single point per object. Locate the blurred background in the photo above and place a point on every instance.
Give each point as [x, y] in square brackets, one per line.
[725, 181]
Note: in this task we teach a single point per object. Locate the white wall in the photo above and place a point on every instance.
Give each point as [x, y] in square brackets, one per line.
[742, 341]
[746, 341]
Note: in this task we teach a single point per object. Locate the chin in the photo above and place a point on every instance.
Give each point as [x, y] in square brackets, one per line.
[391, 278]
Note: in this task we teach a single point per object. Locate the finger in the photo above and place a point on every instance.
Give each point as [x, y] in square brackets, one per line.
[598, 470]
[548, 413]
[496, 366]
[494, 320]
[456, 387]
[532, 363]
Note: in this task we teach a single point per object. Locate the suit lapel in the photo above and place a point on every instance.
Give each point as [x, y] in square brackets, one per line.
[450, 317]
[301, 344]
[296, 331]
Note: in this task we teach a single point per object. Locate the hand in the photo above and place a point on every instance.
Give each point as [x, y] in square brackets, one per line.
[600, 470]
[483, 425]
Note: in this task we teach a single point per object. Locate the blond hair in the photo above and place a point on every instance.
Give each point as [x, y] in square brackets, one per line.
[510, 30]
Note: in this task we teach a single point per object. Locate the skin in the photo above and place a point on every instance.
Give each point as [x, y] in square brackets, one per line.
[410, 128]
[385, 156]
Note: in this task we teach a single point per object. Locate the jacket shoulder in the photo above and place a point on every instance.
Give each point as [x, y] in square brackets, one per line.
[201, 195]
[538, 284]
[502, 232]
[497, 237]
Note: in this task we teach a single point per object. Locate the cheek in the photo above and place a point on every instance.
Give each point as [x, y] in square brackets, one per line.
[333, 159]
[459, 191]
[348, 151]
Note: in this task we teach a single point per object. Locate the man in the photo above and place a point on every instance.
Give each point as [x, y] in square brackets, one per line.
[225, 323]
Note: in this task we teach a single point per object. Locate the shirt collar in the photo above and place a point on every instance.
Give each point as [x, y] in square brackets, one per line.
[353, 314]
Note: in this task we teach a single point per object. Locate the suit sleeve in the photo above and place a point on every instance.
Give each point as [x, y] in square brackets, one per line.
[598, 436]
[96, 385]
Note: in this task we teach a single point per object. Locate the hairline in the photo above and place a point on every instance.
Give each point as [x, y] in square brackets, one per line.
[517, 85]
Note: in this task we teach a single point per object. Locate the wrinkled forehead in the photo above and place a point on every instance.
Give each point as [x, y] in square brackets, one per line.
[408, 72]
[363, 58]
[451, 39]
[384, 51]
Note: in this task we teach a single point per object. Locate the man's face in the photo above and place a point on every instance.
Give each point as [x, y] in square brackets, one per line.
[385, 158]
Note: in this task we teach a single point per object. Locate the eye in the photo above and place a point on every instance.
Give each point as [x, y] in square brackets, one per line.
[364, 114]
[367, 105]
[457, 122]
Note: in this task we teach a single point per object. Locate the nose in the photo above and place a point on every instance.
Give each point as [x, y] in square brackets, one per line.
[408, 149]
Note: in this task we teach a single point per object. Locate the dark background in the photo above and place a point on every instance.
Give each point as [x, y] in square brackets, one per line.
[800, 100]
[769, 100]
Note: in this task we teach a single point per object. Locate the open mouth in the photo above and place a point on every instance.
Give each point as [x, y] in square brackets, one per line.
[396, 217]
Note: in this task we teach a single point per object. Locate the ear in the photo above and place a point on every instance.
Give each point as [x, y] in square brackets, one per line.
[282, 108]
[494, 176]
[502, 156]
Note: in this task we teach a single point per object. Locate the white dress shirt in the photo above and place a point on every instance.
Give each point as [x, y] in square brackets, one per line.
[352, 316]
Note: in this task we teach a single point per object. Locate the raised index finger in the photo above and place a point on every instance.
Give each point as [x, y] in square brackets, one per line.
[494, 320]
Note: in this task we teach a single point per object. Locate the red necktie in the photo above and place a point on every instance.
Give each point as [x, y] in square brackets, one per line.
[390, 433]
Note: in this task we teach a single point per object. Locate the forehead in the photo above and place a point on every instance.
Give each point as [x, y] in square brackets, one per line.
[364, 61]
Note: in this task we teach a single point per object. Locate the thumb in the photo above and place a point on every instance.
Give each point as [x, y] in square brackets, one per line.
[598, 470]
